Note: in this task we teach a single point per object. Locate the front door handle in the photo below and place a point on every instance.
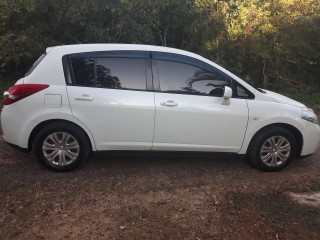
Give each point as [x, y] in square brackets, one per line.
[84, 97]
[169, 103]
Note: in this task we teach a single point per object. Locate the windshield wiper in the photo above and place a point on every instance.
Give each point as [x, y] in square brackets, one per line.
[261, 90]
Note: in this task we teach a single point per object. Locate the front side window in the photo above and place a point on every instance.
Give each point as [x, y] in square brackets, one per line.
[188, 79]
[121, 73]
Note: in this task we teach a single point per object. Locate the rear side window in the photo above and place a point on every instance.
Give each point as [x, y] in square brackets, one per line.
[121, 73]
[109, 72]
[188, 79]
[83, 71]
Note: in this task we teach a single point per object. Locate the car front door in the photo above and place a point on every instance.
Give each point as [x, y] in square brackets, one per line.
[190, 112]
[109, 93]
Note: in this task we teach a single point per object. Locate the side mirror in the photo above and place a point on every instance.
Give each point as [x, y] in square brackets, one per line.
[227, 94]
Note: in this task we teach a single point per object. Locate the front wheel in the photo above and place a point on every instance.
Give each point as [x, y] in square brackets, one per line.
[61, 146]
[272, 149]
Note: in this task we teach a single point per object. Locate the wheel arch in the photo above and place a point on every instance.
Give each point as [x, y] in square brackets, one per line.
[41, 125]
[296, 133]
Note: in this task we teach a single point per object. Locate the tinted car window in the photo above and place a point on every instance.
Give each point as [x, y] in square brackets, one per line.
[184, 78]
[241, 92]
[121, 73]
[83, 71]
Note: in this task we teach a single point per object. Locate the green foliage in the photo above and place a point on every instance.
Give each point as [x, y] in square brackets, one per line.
[4, 86]
[310, 99]
[273, 44]
[270, 43]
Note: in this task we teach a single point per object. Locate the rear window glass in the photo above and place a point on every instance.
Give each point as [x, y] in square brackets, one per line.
[109, 72]
[83, 71]
[121, 73]
[36, 63]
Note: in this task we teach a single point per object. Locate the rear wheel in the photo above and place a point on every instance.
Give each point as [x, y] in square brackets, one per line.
[61, 146]
[272, 149]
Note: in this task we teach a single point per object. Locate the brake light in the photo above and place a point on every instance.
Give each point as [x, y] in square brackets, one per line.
[18, 92]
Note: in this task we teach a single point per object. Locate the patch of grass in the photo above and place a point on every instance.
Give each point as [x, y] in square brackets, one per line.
[315, 187]
[278, 210]
[282, 209]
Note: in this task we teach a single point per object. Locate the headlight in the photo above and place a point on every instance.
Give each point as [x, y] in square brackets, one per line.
[309, 115]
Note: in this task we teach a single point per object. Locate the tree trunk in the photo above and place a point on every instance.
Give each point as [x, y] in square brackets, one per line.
[163, 36]
[265, 80]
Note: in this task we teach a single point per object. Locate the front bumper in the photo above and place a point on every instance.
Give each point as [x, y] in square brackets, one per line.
[311, 139]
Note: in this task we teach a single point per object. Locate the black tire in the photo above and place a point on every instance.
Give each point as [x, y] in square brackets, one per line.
[73, 158]
[254, 156]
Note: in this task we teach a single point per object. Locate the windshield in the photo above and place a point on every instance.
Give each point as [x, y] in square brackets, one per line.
[35, 64]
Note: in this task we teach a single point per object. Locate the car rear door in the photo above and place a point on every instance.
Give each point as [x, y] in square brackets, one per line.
[110, 93]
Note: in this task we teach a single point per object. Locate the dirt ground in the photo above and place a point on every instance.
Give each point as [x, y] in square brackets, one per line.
[156, 196]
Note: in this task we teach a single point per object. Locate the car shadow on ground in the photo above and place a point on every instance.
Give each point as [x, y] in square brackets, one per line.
[165, 159]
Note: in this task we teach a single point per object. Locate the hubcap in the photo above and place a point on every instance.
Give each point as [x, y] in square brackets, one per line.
[275, 151]
[60, 148]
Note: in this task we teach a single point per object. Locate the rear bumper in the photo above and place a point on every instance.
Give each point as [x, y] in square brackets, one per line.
[13, 126]
[16, 146]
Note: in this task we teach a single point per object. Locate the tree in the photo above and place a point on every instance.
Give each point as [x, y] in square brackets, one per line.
[274, 44]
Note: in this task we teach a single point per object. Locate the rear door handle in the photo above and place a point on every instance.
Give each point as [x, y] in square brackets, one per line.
[84, 97]
[169, 103]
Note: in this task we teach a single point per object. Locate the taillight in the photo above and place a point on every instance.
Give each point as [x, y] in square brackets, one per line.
[18, 92]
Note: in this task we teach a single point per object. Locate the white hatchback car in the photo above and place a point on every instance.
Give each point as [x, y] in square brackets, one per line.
[96, 97]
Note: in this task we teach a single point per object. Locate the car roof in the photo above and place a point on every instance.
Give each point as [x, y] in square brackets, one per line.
[75, 48]
[100, 47]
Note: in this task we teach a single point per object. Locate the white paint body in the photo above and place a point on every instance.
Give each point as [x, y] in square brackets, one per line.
[136, 120]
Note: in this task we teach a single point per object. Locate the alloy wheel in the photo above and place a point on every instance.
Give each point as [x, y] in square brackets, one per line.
[60, 148]
[275, 151]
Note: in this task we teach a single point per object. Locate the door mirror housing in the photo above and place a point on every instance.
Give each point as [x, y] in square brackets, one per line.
[227, 94]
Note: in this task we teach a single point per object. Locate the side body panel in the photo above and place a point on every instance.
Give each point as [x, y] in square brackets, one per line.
[19, 119]
[263, 113]
[118, 119]
[199, 123]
